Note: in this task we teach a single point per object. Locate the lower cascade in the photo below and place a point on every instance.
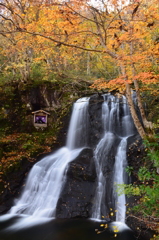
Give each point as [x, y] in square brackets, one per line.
[46, 181]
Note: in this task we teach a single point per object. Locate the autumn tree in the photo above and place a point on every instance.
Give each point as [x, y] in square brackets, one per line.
[119, 31]
[33, 57]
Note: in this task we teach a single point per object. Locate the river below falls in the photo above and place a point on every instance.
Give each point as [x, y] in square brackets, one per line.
[59, 229]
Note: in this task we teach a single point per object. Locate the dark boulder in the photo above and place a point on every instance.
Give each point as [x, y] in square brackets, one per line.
[77, 195]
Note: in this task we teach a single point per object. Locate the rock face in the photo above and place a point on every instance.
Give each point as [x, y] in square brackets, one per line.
[95, 118]
[135, 155]
[76, 197]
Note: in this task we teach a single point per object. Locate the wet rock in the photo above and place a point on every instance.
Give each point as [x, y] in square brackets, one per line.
[77, 195]
[135, 155]
[95, 118]
[141, 231]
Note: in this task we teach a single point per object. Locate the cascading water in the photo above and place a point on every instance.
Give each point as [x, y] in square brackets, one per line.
[101, 153]
[47, 177]
[78, 129]
[120, 165]
[118, 126]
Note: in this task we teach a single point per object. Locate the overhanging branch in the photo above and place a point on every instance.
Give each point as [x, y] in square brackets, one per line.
[105, 50]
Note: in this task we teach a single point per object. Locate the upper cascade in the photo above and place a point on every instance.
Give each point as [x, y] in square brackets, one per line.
[77, 135]
[116, 116]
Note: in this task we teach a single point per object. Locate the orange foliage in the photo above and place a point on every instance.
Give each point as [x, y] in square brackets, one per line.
[115, 84]
[147, 78]
[127, 32]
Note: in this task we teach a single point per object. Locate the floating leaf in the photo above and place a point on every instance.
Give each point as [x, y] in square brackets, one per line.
[106, 225]
[101, 225]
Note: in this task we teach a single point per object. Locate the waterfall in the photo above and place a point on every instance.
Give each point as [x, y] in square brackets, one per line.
[117, 127]
[47, 177]
[77, 134]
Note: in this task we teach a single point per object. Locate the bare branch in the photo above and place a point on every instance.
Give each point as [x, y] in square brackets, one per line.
[79, 14]
[7, 19]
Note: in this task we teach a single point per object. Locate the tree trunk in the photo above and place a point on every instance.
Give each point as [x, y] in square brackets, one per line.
[147, 125]
[136, 120]
[88, 64]
[43, 92]
[134, 115]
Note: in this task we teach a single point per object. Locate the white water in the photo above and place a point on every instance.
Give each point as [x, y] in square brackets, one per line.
[119, 168]
[77, 134]
[116, 126]
[47, 177]
[101, 151]
[44, 185]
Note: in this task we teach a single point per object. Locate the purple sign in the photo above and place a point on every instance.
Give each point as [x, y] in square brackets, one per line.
[40, 119]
